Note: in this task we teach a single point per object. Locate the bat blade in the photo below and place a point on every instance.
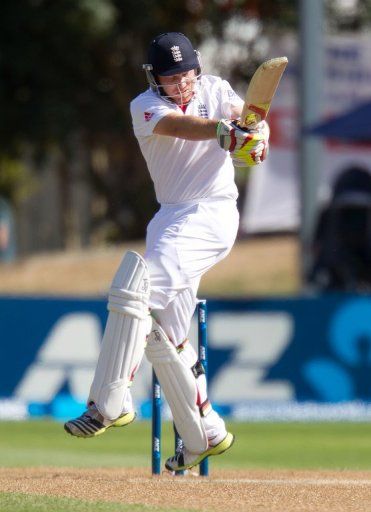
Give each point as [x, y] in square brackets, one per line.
[261, 90]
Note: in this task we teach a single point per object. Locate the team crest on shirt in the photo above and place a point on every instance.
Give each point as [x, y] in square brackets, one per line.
[148, 116]
[202, 111]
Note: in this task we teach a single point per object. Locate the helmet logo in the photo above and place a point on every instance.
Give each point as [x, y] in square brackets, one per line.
[177, 56]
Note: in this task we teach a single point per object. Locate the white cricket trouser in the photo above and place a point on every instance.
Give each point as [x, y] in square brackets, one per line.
[183, 242]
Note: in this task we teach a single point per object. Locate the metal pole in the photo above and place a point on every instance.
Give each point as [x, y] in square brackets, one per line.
[311, 86]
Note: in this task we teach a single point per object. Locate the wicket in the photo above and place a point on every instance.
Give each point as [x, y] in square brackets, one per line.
[156, 399]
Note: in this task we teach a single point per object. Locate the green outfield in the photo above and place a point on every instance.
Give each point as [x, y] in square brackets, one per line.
[325, 446]
[258, 445]
[18, 502]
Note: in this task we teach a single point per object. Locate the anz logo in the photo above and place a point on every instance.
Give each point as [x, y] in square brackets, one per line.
[68, 355]
[253, 356]
[258, 341]
[345, 373]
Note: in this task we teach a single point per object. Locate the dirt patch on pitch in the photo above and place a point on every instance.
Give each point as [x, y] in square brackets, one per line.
[232, 490]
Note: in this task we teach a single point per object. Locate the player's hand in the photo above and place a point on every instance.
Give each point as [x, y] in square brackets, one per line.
[247, 147]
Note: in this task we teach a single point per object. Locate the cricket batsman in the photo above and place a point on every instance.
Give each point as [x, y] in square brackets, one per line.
[184, 123]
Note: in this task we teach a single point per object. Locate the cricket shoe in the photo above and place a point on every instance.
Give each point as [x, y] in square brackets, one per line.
[187, 460]
[91, 423]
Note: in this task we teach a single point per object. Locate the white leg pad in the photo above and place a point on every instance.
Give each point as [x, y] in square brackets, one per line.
[214, 425]
[128, 325]
[179, 386]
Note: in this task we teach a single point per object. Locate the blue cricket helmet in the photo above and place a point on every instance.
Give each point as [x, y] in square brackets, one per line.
[172, 53]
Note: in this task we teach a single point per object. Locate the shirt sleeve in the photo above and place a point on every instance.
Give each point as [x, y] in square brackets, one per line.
[146, 112]
[229, 100]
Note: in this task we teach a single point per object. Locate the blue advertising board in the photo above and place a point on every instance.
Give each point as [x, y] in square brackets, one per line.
[283, 358]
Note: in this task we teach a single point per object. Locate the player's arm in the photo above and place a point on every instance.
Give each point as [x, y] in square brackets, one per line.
[186, 127]
[246, 147]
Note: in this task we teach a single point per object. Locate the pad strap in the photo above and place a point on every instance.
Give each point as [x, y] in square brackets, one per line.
[198, 369]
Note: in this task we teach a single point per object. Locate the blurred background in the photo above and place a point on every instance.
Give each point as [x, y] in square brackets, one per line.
[289, 309]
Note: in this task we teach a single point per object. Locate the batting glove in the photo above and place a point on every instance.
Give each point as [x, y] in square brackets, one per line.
[247, 147]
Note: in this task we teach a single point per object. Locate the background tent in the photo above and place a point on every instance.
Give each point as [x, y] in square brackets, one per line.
[353, 125]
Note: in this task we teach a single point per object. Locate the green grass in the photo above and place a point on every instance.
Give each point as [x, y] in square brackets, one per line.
[18, 502]
[302, 446]
[258, 445]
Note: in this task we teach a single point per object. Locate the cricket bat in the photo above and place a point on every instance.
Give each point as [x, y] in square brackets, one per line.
[261, 90]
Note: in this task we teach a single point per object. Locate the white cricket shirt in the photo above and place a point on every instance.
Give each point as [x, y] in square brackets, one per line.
[184, 170]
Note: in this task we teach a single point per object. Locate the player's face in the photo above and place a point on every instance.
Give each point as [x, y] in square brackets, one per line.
[179, 88]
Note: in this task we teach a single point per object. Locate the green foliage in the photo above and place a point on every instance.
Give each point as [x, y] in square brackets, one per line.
[51, 79]
[15, 179]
